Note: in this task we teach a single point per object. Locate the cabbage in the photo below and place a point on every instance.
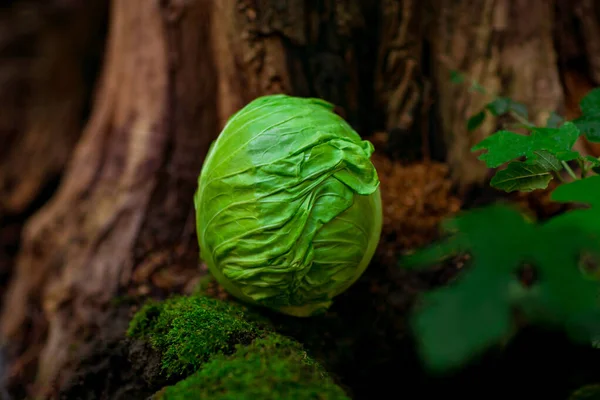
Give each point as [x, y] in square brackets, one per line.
[288, 209]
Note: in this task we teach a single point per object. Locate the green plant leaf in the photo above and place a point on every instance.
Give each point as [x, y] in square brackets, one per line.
[446, 332]
[502, 105]
[439, 252]
[546, 160]
[505, 146]
[592, 160]
[475, 121]
[586, 192]
[589, 122]
[499, 106]
[458, 322]
[522, 176]
[589, 126]
[590, 104]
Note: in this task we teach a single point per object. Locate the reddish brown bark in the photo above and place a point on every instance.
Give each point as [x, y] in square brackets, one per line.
[122, 222]
[45, 70]
[125, 205]
[123, 215]
[47, 73]
[508, 48]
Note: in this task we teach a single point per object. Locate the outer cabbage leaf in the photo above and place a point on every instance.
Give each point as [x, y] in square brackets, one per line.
[288, 208]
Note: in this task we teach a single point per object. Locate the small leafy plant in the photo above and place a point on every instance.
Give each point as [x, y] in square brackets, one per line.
[533, 160]
[488, 301]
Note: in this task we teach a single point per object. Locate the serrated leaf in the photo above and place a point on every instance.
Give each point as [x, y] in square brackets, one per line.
[521, 176]
[590, 104]
[589, 125]
[505, 146]
[475, 121]
[546, 160]
[589, 122]
[458, 322]
[456, 77]
[566, 296]
[592, 160]
[445, 332]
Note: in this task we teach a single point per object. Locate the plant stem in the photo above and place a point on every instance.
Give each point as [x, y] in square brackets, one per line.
[569, 170]
[584, 168]
[558, 176]
[520, 118]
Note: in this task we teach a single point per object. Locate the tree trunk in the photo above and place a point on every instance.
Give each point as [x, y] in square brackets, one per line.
[578, 44]
[46, 85]
[121, 224]
[122, 221]
[47, 72]
[507, 47]
[124, 209]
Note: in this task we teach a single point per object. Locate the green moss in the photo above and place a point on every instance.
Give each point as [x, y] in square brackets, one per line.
[272, 367]
[189, 330]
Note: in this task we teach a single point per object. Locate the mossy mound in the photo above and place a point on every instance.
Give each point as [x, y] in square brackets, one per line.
[187, 331]
[226, 352]
[273, 367]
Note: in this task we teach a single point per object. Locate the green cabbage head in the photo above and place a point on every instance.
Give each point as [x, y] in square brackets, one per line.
[288, 209]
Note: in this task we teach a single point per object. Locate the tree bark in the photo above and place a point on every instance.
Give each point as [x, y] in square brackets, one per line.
[578, 30]
[124, 209]
[323, 49]
[46, 51]
[121, 224]
[508, 48]
[122, 221]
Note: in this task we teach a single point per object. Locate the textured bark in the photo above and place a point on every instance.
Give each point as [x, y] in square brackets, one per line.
[587, 13]
[506, 46]
[400, 49]
[122, 221]
[320, 49]
[174, 72]
[46, 52]
[578, 44]
[125, 206]
[402, 83]
[47, 73]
